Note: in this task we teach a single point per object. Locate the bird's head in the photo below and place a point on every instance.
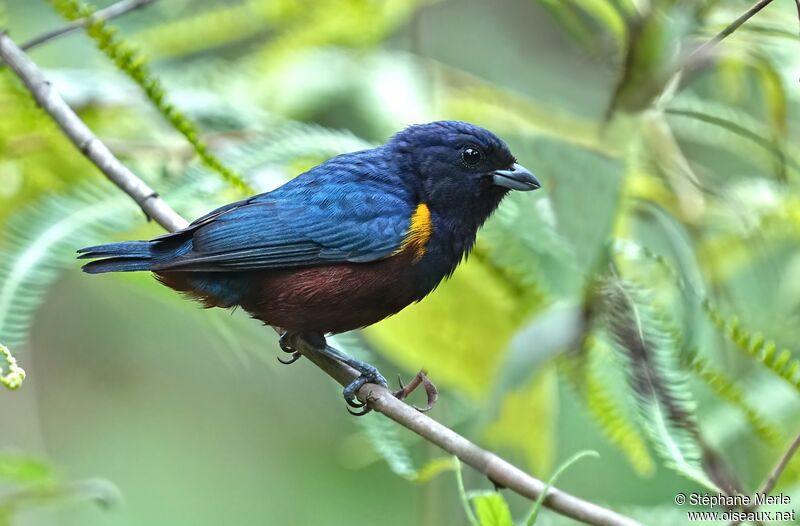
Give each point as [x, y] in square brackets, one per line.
[455, 164]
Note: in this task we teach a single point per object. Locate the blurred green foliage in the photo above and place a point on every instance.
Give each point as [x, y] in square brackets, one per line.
[644, 303]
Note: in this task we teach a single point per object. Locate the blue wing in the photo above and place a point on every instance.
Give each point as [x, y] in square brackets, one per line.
[349, 209]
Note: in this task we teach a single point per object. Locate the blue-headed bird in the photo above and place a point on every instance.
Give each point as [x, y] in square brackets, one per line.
[343, 245]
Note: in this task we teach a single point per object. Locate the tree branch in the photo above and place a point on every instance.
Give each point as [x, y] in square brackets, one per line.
[83, 138]
[112, 11]
[498, 470]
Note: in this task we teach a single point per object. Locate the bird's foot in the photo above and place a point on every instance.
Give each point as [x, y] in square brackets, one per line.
[430, 390]
[369, 375]
[286, 346]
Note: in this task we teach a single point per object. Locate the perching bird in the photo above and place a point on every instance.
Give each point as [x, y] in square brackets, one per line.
[343, 245]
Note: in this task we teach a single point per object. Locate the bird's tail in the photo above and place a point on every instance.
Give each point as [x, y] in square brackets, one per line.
[127, 256]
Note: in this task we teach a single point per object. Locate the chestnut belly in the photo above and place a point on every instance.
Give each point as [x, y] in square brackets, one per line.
[326, 299]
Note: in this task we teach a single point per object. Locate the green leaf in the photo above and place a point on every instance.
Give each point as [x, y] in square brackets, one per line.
[537, 506]
[491, 509]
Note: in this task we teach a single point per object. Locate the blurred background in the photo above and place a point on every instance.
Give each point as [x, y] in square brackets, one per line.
[643, 304]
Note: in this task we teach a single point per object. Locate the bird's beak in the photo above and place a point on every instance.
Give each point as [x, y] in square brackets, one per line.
[516, 178]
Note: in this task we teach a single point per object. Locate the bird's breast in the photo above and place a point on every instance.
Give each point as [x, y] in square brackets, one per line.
[443, 243]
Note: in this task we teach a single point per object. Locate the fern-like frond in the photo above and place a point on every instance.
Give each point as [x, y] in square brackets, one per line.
[716, 379]
[130, 62]
[727, 389]
[581, 371]
[659, 385]
[382, 435]
[781, 362]
[42, 240]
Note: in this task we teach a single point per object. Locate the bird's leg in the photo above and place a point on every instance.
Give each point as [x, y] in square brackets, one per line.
[368, 373]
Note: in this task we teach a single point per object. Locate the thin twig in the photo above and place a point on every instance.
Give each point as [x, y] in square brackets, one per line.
[112, 11]
[797, 3]
[776, 472]
[500, 471]
[702, 51]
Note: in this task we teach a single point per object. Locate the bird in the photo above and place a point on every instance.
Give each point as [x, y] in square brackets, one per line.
[343, 245]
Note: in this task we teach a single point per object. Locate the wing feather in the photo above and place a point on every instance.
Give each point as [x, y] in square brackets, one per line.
[333, 213]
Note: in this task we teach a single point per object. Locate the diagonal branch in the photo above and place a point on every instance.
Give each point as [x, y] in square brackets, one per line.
[733, 26]
[83, 138]
[498, 470]
[777, 471]
[701, 52]
[114, 10]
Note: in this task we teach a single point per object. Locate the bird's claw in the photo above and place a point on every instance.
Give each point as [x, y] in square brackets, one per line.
[295, 356]
[369, 375]
[431, 391]
[286, 346]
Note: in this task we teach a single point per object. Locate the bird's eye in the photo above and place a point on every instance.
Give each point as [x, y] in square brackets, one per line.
[471, 155]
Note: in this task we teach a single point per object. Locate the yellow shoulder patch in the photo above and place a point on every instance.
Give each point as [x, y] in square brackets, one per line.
[419, 231]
